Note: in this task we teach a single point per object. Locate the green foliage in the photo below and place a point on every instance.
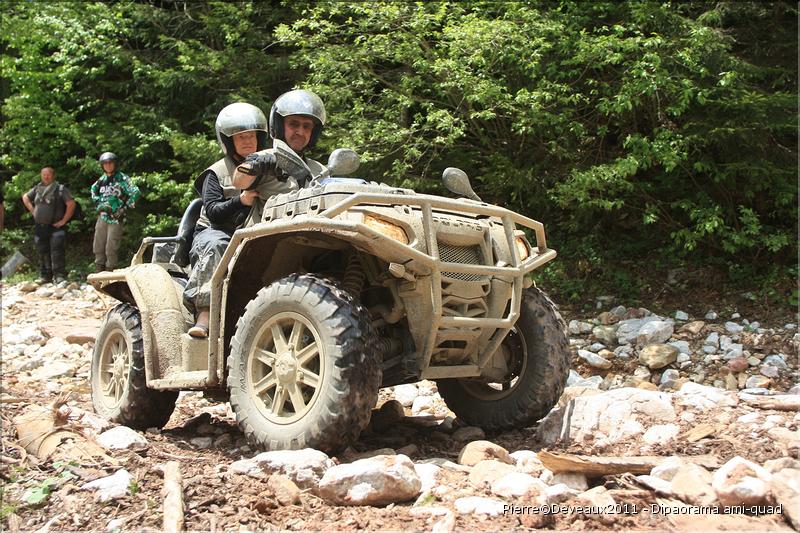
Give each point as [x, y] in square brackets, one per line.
[670, 125]
[585, 113]
[144, 80]
[42, 491]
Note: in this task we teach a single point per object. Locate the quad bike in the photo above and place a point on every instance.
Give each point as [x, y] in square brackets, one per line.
[331, 292]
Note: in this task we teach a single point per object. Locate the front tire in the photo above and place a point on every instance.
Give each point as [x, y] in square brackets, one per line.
[303, 371]
[537, 352]
[119, 388]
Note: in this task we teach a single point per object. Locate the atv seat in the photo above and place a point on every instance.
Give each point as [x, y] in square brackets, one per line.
[182, 242]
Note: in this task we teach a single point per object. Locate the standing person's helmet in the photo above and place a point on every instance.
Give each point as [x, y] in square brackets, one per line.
[108, 156]
[236, 118]
[298, 102]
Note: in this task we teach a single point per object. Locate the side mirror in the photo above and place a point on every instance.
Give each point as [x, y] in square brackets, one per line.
[457, 182]
[290, 162]
[343, 161]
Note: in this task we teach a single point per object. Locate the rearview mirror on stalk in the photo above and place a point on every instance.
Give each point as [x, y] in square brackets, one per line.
[456, 181]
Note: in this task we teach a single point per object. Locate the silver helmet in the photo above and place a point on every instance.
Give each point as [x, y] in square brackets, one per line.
[108, 156]
[298, 102]
[236, 118]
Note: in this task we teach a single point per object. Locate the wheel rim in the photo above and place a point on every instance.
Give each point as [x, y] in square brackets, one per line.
[286, 368]
[516, 353]
[115, 368]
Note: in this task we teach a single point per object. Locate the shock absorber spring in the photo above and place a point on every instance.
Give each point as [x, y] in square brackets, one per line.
[353, 280]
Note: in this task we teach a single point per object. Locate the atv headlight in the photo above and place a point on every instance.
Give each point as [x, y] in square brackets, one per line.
[388, 229]
[523, 249]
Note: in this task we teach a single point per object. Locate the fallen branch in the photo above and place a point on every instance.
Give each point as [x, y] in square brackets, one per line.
[173, 498]
[781, 402]
[603, 466]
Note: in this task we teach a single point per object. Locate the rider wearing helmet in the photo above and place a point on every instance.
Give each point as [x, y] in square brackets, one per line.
[241, 130]
[296, 118]
[112, 194]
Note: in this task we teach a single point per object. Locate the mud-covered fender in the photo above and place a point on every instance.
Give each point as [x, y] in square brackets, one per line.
[158, 297]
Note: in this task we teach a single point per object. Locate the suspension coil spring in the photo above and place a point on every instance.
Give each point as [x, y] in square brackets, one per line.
[354, 276]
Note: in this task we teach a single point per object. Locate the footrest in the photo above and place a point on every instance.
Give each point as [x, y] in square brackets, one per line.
[195, 353]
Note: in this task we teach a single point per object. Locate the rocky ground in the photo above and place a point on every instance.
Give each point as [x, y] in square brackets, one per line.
[668, 423]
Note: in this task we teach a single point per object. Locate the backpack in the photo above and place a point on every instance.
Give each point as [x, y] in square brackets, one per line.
[78, 213]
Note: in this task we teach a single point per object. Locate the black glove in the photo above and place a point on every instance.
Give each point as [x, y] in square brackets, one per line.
[259, 164]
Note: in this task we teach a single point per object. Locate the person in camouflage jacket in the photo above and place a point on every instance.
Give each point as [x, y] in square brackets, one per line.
[113, 194]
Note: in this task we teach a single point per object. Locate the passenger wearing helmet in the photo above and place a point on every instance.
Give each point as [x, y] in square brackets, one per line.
[112, 194]
[241, 130]
[297, 118]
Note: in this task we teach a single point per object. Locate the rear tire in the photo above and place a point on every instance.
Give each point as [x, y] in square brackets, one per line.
[119, 389]
[303, 370]
[539, 359]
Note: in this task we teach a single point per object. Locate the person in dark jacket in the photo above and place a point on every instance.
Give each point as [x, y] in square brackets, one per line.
[241, 130]
[52, 207]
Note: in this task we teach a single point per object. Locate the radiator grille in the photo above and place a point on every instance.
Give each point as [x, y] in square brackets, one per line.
[467, 255]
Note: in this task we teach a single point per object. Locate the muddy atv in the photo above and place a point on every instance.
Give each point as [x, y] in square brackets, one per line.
[332, 292]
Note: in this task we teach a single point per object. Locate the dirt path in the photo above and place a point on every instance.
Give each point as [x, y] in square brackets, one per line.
[203, 437]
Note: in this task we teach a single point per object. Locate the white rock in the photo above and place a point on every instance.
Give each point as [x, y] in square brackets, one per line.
[427, 388]
[446, 524]
[642, 372]
[576, 327]
[660, 433]
[741, 482]
[305, 467]
[479, 505]
[680, 315]
[573, 480]
[669, 377]
[517, 484]
[422, 404]
[559, 493]
[776, 360]
[655, 332]
[377, 480]
[573, 378]
[682, 346]
[733, 328]
[115, 523]
[122, 438]
[692, 484]
[667, 468]
[428, 474]
[627, 330]
[749, 418]
[616, 414]
[593, 382]
[111, 487]
[711, 315]
[785, 488]
[526, 461]
[701, 397]
[53, 370]
[487, 472]
[712, 339]
[594, 360]
[405, 394]
[757, 382]
[656, 484]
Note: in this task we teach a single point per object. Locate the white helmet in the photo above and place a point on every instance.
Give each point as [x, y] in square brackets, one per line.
[298, 102]
[236, 118]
